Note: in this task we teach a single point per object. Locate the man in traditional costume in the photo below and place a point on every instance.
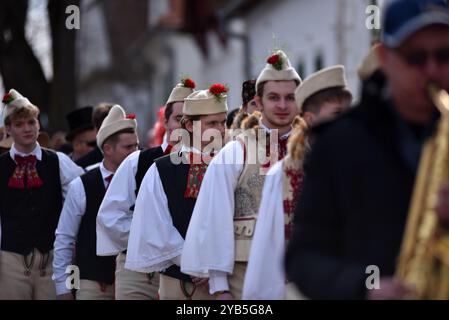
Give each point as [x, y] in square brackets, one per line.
[76, 240]
[116, 211]
[168, 195]
[222, 225]
[321, 97]
[33, 184]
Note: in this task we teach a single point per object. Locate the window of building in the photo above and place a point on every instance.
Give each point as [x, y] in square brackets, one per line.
[301, 68]
[319, 61]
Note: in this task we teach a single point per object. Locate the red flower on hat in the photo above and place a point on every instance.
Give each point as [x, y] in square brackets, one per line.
[276, 61]
[218, 88]
[188, 83]
[7, 98]
[219, 91]
[131, 116]
[273, 59]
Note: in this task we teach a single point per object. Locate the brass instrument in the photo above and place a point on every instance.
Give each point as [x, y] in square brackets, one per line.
[424, 258]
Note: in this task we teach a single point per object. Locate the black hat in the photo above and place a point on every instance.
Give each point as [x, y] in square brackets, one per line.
[248, 90]
[79, 120]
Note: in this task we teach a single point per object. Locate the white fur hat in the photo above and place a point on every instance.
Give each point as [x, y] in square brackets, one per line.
[13, 99]
[114, 122]
[324, 79]
[181, 91]
[369, 64]
[278, 68]
[204, 102]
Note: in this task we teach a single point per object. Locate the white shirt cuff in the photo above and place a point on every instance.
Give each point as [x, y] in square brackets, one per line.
[61, 288]
[218, 281]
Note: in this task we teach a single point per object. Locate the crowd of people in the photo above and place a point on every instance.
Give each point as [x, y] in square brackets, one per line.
[290, 196]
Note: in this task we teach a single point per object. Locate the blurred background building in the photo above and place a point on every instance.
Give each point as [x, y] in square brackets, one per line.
[133, 52]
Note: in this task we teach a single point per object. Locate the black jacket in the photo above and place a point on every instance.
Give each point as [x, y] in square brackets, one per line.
[353, 207]
[91, 158]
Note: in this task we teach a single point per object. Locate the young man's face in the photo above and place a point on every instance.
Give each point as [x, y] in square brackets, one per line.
[216, 122]
[174, 121]
[328, 111]
[421, 59]
[278, 104]
[24, 131]
[127, 143]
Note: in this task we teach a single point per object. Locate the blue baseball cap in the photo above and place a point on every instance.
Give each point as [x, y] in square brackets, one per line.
[402, 18]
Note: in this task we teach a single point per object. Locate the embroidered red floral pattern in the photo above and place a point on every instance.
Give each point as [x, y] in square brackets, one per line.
[26, 168]
[295, 179]
[195, 177]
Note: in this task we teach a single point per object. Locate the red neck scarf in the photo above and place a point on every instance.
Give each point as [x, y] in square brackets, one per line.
[168, 150]
[26, 168]
[197, 170]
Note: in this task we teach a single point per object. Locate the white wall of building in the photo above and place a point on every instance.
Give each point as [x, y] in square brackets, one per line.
[224, 64]
[304, 29]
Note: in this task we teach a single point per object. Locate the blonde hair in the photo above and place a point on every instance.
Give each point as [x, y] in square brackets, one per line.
[20, 112]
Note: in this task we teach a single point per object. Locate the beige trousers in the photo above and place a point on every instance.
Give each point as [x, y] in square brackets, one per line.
[236, 280]
[26, 277]
[131, 285]
[172, 289]
[92, 290]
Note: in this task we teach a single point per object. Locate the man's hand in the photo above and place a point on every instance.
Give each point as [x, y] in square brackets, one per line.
[442, 206]
[391, 289]
[65, 296]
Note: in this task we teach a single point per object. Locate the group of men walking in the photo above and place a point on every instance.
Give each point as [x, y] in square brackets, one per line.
[209, 213]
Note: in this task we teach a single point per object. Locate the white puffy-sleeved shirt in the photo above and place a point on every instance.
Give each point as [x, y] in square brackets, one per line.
[154, 242]
[208, 250]
[115, 213]
[68, 227]
[265, 276]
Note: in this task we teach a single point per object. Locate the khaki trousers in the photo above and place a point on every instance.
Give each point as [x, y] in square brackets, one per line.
[92, 290]
[131, 285]
[172, 289]
[236, 280]
[26, 277]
